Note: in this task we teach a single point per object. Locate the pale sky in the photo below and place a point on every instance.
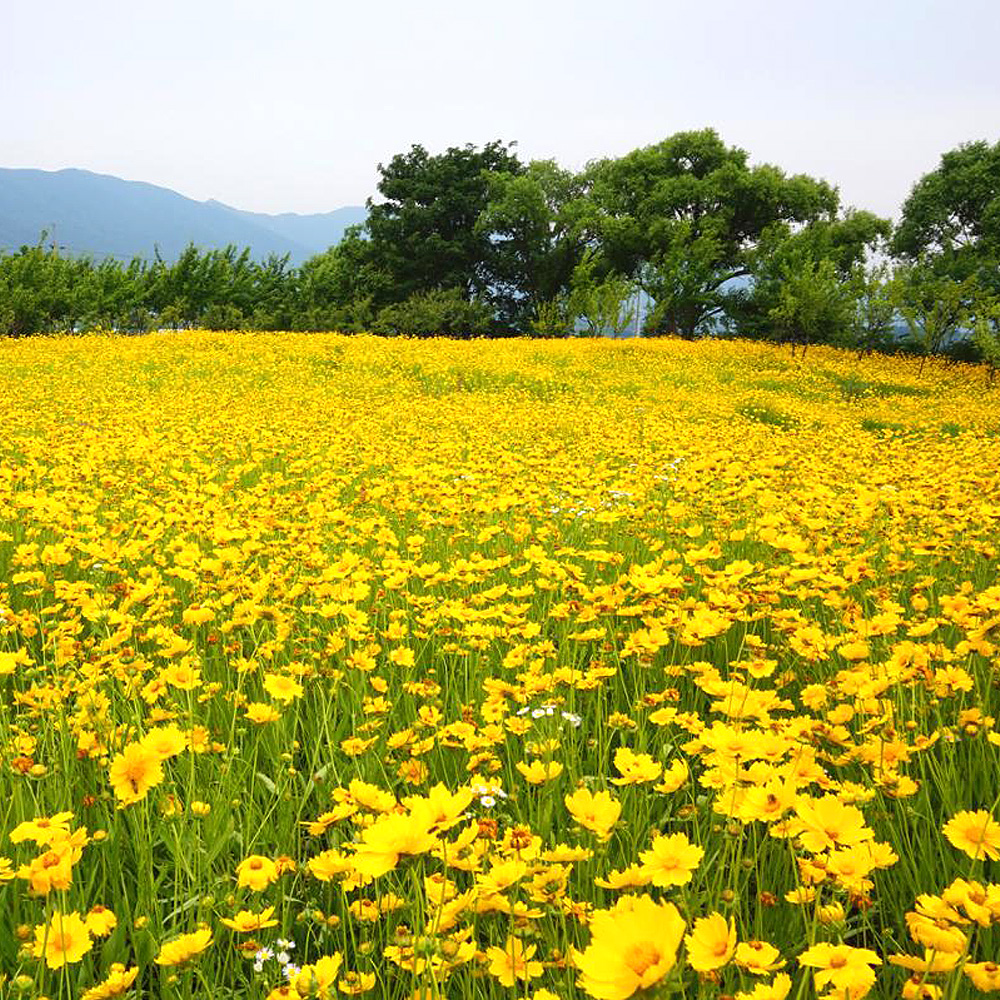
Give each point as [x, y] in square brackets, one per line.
[290, 106]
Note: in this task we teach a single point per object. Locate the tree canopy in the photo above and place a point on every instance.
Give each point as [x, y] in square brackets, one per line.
[686, 233]
[951, 219]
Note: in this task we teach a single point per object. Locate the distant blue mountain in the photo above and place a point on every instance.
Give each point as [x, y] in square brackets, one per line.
[99, 216]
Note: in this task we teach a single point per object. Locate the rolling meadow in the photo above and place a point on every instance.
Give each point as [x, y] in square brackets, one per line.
[339, 666]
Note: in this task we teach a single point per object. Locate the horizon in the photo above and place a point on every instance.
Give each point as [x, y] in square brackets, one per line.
[292, 113]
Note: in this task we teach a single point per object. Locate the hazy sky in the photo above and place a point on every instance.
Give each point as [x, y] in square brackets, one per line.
[290, 107]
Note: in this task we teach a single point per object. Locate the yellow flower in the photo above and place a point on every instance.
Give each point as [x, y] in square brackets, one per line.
[633, 877]
[975, 833]
[355, 983]
[632, 947]
[844, 968]
[282, 687]
[933, 961]
[165, 741]
[180, 949]
[117, 983]
[389, 837]
[183, 675]
[537, 772]
[51, 870]
[441, 809]
[261, 713]
[777, 990]
[597, 812]
[635, 768]
[134, 772]
[513, 961]
[42, 830]
[317, 979]
[63, 941]
[671, 860]
[985, 976]
[101, 921]
[246, 921]
[674, 777]
[256, 873]
[758, 957]
[828, 823]
[327, 864]
[711, 942]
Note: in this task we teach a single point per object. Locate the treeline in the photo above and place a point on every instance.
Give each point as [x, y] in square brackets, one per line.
[683, 238]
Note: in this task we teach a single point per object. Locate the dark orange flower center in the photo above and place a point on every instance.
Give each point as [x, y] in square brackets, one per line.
[639, 957]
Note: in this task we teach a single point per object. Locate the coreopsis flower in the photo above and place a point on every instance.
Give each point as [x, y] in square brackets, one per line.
[42, 830]
[318, 978]
[935, 933]
[117, 983]
[776, 990]
[100, 921]
[165, 741]
[513, 961]
[596, 811]
[134, 772]
[985, 976]
[633, 877]
[356, 983]
[371, 796]
[256, 873]
[327, 864]
[711, 942]
[975, 833]
[261, 713]
[848, 970]
[671, 860]
[828, 823]
[184, 947]
[51, 870]
[64, 940]
[635, 768]
[768, 802]
[282, 688]
[246, 921]
[441, 808]
[184, 676]
[932, 962]
[632, 946]
[538, 772]
[674, 777]
[391, 836]
[980, 902]
[758, 957]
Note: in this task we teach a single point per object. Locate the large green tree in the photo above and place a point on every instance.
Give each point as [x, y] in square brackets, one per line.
[832, 249]
[423, 233]
[951, 220]
[532, 222]
[684, 217]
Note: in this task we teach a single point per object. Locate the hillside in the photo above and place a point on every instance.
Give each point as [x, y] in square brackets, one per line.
[101, 216]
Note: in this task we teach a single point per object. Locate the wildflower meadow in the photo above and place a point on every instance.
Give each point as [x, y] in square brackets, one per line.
[338, 666]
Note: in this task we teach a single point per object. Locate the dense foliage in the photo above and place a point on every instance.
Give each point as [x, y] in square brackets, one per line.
[564, 670]
[685, 237]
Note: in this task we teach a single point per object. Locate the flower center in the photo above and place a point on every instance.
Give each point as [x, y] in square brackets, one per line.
[837, 962]
[639, 957]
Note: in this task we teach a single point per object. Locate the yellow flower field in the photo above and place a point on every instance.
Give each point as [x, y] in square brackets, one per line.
[338, 666]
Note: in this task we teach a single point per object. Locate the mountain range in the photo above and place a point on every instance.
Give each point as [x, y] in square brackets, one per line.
[98, 216]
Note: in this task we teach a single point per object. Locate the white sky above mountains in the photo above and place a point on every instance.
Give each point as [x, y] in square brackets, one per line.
[290, 107]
